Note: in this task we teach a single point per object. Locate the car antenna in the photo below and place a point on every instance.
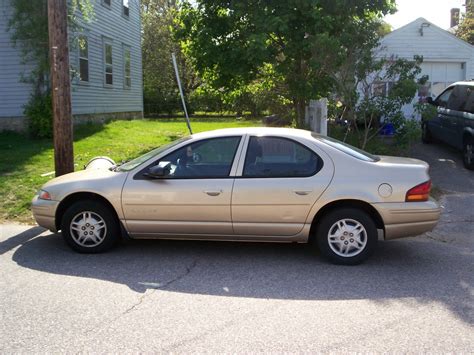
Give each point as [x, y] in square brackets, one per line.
[181, 92]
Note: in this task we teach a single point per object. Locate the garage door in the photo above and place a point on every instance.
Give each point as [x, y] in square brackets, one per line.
[442, 74]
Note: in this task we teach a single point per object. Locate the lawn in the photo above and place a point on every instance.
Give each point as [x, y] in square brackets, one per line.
[23, 161]
[26, 164]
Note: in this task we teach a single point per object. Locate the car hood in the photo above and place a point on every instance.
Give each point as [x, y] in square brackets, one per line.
[100, 181]
[81, 176]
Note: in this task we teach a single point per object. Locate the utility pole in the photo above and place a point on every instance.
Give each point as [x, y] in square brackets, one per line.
[61, 87]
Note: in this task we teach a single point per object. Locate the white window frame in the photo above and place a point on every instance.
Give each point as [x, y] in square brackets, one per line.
[127, 2]
[129, 49]
[107, 41]
[79, 57]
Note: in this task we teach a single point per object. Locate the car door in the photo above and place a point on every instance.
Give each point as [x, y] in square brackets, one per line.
[436, 123]
[452, 121]
[192, 199]
[276, 185]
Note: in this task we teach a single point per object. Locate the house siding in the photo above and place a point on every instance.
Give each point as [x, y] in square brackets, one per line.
[14, 94]
[436, 45]
[94, 97]
[444, 55]
[90, 98]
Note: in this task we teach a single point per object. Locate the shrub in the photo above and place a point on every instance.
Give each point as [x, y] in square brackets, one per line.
[39, 113]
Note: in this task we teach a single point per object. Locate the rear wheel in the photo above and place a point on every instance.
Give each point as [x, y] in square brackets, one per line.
[426, 134]
[468, 153]
[346, 236]
[90, 227]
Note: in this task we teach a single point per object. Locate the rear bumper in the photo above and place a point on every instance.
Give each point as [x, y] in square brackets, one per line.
[44, 212]
[407, 219]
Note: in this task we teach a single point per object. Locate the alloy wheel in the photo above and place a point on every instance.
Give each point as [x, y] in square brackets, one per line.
[88, 229]
[347, 237]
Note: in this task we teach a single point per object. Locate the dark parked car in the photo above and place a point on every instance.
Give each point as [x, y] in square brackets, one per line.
[454, 120]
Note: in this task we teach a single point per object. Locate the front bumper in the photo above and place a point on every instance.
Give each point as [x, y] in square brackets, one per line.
[408, 219]
[44, 212]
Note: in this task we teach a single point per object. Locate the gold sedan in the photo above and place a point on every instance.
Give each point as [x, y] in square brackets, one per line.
[248, 184]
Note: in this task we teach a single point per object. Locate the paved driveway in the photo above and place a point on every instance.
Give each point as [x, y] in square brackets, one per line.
[415, 295]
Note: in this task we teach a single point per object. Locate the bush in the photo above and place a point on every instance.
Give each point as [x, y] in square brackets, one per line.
[39, 113]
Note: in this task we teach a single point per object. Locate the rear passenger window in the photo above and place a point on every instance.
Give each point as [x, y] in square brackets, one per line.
[279, 157]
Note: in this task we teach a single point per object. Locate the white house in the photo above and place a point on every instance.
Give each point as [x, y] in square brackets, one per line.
[446, 58]
[108, 83]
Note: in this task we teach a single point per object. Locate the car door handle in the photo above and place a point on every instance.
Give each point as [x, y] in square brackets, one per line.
[302, 192]
[213, 192]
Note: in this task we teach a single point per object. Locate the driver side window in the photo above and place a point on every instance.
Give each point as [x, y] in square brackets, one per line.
[209, 158]
[442, 99]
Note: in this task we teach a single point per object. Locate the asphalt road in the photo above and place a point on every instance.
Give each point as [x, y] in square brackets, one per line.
[414, 295]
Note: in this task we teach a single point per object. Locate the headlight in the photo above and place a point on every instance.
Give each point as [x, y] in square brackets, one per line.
[44, 195]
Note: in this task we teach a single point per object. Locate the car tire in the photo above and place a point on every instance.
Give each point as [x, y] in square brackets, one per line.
[468, 153]
[346, 236]
[90, 227]
[426, 136]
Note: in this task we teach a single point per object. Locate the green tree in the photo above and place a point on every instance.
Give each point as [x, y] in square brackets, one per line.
[159, 82]
[465, 29]
[305, 41]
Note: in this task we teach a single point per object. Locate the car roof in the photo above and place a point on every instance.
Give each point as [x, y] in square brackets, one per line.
[467, 83]
[254, 131]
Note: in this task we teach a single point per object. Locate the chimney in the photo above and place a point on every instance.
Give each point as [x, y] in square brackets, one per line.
[455, 17]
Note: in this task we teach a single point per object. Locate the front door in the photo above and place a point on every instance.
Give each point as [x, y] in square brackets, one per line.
[452, 121]
[281, 179]
[193, 199]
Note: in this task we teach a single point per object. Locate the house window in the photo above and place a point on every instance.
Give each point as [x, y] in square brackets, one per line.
[108, 67]
[107, 3]
[83, 58]
[127, 69]
[125, 8]
[382, 88]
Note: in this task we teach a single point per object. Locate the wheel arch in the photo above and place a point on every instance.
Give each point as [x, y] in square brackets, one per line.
[80, 196]
[358, 204]
[468, 133]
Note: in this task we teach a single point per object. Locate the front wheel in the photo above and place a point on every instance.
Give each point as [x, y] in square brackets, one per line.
[346, 236]
[90, 227]
[468, 153]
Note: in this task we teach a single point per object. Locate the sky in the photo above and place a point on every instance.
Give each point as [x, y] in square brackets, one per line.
[435, 11]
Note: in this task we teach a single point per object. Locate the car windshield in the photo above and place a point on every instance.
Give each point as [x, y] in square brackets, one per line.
[132, 164]
[347, 148]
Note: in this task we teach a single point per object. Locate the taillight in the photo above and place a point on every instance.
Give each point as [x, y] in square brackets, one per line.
[419, 192]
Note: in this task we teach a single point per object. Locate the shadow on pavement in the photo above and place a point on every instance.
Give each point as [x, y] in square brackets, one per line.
[19, 239]
[426, 271]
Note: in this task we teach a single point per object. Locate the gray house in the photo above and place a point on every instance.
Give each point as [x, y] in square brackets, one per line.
[108, 67]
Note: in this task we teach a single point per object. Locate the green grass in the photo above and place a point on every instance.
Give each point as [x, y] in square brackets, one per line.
[24, 160]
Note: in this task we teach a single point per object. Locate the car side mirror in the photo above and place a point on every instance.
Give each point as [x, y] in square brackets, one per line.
[158, 171]
[429, 100]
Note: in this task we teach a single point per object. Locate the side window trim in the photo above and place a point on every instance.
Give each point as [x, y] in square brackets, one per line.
[240, 170]
[140, 174]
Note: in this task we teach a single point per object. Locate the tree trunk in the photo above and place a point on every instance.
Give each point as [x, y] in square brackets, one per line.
[61, 86]
[300, 105]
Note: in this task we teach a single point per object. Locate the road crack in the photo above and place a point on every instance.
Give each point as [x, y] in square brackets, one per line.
[141, 299]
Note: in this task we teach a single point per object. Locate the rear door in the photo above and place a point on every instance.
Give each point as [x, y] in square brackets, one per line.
[280, 180]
